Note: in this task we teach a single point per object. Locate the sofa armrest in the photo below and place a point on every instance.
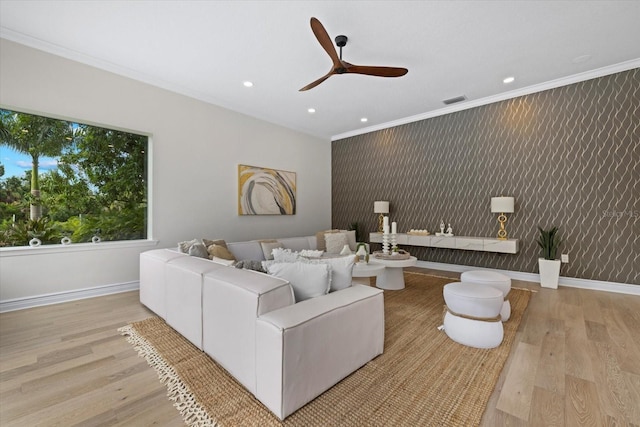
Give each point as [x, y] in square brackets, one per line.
[304, 349]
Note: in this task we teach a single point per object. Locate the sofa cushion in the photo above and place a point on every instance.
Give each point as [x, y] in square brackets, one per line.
[268, 247]
[307, 280]
[219, 242]
[218, 251]
[295, 243]
[246, 250]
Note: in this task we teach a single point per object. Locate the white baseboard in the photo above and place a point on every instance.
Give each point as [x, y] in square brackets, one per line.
[66, 296]
[571, 282]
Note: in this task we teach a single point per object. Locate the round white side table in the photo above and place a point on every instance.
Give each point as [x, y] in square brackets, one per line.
[362, 271]
[392, 277]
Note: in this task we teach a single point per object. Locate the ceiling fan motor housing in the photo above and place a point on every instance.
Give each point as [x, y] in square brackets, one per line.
[341, 41]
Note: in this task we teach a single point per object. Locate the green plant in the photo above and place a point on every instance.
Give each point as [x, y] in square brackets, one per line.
[356, 227]
[19, 233]
[549, 241]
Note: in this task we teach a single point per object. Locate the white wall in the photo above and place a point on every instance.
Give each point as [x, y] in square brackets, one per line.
[196, 148]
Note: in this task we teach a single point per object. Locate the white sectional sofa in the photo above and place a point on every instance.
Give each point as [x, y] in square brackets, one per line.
[285, 353]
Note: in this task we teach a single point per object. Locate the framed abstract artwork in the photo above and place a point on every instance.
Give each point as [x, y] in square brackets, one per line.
[264, 191]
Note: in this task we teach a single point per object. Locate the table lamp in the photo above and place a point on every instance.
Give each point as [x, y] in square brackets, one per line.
[502, 205]
[380, 208]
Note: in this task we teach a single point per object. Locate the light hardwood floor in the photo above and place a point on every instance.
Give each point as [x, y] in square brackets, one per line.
[575, 362]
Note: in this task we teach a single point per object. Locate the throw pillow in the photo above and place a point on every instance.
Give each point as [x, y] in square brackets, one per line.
[198, 250]
[220, 252]
[183, 247]
[351, 238]
[307, 280]
[310, 253]
[219, 242]
[269, 246]
[335, 242]
[284, 255]
[341, 271]
[320, 243]
[250, 264]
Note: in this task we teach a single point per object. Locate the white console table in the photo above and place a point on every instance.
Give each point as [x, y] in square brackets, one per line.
[486, 244]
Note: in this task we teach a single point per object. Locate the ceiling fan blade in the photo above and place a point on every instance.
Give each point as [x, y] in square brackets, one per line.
[325, 41]
[377, 71]
[317, 82]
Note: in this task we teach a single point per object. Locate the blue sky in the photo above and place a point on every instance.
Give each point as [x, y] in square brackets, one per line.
[15, 163]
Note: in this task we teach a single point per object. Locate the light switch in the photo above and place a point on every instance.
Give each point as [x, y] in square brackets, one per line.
[564, 258]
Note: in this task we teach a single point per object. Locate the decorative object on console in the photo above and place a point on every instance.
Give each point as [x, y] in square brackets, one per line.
[380, 208]
[263, 191]
[502, 205]
[549, 266]
[449, 232]
[419, 232]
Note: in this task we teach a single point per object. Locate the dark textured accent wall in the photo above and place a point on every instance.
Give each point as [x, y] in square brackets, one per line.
[570, 156]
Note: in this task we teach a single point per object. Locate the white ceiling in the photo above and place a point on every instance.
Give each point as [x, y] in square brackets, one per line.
[206, 49]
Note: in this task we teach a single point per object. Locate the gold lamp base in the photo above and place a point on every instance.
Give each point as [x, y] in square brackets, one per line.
[380, 222]
[502, 233]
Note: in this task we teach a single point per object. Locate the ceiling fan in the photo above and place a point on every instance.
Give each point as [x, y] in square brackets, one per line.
[342, 67]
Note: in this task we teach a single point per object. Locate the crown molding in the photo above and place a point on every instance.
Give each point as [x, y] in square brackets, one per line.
[110, 67]
[552, 84]
[73, 55]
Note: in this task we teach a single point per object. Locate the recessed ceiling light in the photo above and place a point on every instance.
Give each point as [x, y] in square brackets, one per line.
[311, 110]
[247, 84]
[364, 119]
[508, 80]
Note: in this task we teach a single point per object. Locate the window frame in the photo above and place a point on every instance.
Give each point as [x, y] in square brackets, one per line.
[150, 241]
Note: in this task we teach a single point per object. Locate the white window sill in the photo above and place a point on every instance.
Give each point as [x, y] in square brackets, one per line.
[75, 247]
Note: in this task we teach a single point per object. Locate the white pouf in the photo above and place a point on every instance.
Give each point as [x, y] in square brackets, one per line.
[493, 279]
[472, 316]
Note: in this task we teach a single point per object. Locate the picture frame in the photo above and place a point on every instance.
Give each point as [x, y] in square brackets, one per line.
[266, 191]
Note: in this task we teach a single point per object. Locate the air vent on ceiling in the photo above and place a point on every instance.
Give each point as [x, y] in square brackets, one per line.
[454, 100]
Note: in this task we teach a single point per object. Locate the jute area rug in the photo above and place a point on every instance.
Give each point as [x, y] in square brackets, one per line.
[422, 379]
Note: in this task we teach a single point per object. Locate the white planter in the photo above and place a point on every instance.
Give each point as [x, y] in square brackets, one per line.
[549, 272]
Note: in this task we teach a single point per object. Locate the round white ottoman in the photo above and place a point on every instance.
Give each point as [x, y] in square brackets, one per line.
[494, 279]
[473, 314]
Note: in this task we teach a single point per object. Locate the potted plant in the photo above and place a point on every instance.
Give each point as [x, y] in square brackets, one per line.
[549, 266]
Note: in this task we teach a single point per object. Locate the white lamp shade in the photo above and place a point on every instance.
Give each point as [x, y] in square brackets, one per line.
[502, 204]
[380, 207]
